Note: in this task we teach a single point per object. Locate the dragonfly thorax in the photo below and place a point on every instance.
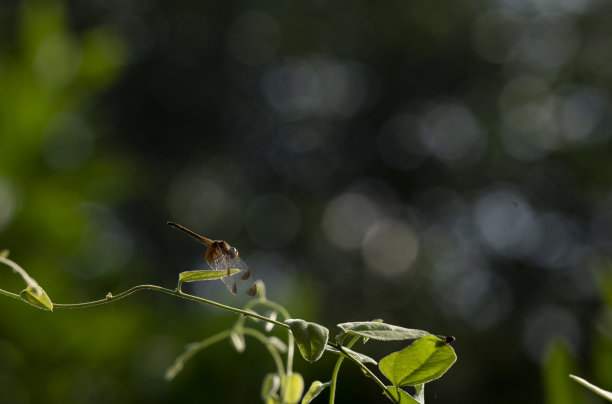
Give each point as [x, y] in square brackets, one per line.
[220, 249]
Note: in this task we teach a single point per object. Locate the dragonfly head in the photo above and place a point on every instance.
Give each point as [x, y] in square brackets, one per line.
[232, 252]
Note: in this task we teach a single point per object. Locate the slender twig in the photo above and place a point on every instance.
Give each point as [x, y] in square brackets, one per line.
[245, 312]
[9, 294]
[110, 297]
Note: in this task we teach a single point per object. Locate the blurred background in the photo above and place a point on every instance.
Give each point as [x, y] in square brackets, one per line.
[442, 167]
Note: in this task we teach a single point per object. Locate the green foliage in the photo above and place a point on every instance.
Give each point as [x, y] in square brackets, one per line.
[355, 355]
[311, 338]
[293, 388]
[36, 296]
[419, 394]
[400, 396]
[270, 386]
[205, 275]
[424, 360]
[33, 293]
[381, 331]
[313, 391]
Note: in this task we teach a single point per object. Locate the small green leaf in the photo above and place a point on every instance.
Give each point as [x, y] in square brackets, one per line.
[36, 296]
[205, 275]
[592, 387]
[315, 389]
[311, 338]
[237, 340]
[4, 253]
[400, 396]
[424, 360]
[293, 388]
[381, 331]
[270, 386]
[359, 356]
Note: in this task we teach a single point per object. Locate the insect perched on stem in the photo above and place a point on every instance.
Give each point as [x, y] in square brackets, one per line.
[220, 256]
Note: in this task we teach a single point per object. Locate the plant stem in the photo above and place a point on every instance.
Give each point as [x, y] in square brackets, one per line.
[273, 351]
[173, 292]
[286, 315]
[16, 268]
[332, 386]
[364, 368]
[20, 271]
[9, 294]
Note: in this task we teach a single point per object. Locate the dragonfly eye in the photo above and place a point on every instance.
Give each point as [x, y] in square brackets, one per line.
[233, 252]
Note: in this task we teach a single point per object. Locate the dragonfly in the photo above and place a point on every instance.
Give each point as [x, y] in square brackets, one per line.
[220, 256]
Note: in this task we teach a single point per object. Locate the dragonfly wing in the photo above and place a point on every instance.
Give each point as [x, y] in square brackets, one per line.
[218, 264]
[240, 282]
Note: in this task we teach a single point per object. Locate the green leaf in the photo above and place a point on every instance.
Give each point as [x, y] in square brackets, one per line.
[205, 275]
[424, 360]
[315, 389]
[592, 387]
[311, 338]
[270, 386]
[400, 396]
[365, 339]
[381, 331]
[293, 388]
[419, 395]
[36, 296]
[359, 356]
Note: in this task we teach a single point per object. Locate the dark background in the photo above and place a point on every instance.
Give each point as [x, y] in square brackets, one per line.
[440, 165]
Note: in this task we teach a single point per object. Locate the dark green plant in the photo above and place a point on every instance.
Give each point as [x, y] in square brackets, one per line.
[425, 359]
